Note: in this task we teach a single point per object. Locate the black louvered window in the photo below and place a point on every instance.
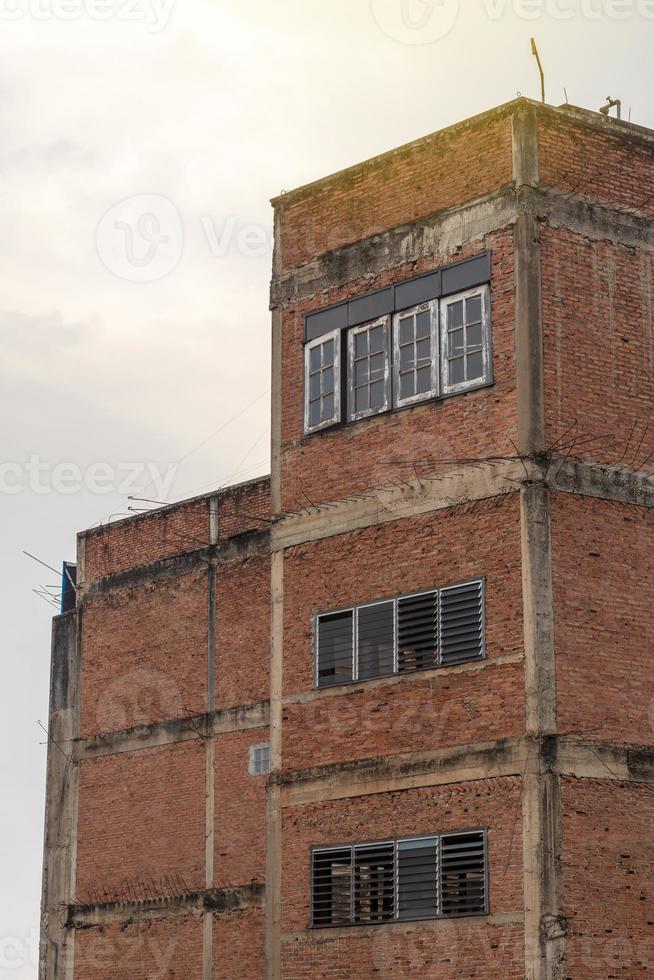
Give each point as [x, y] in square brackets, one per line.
[422, 878]
[397, 636]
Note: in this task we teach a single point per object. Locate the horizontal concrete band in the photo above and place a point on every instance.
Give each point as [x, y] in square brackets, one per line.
[318, 937]
[441, 232]
[557, 754]
[461, 484]
[170, 732]
[213, 901]
[248, 545]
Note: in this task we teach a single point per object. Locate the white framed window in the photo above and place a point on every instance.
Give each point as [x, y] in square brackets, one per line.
[369, 375]
[322, 385]
[465, 340]
[415, 354]
[259, 761]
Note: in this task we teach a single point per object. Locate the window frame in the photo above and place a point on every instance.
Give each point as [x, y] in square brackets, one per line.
[263, 748]
[334, 336]
[396, 917]
[486, 341]
[433, 306]
[396, 672]
[385, 323]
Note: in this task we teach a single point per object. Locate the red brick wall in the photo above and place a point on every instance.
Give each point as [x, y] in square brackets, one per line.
[608, 873]
[594, 164]
[598, 343]
[370, 453]
[141, 815]
[452, 949]
[441, 171]
[238, 946]
[242, 631]
[142, 540]
[245, 507]
[144, 654]
[240, 801]
[159, 950]
[603, 576]
[434, 550]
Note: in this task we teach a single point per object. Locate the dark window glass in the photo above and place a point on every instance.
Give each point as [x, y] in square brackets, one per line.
[461, 613]
[375, 640]
[374, 883]
[331, 892]
[417, 879]
[335, 647]
[417, 632]
[463, 874]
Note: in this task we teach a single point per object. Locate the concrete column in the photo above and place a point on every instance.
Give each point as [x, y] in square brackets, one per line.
[274, 807]
[56, 959]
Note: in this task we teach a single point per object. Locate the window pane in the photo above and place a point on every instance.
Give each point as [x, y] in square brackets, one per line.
[376, 339]
[360, 373]
[457, 371]
[418, 879]
[335, 648]
[328, 352]
[361, 400]
[406, 330]
[377, 394]
[314, 358]
[423, 324]
[406, 357]
[463, 874]
[462, 623]
[417, 632]
[377, 362]
[474, 336]
[328, 379]
[456, 342]
[475, 366]
[374, 884]
[407, 385]
[375, 631]
[331, 888]
[473, 309]
[424, 350]
[314, 413]
[455, 314]
[361, 343]
[314, 386]
[328, 408]
[424, 380]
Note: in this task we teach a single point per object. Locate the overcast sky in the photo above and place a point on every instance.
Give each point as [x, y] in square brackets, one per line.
[141, 141]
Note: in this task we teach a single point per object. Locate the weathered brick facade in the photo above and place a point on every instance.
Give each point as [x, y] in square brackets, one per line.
[194, 636]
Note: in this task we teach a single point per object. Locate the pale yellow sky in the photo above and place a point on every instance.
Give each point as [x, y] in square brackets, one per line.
[205, 108]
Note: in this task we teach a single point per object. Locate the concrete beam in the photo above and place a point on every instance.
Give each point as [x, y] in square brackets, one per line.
[212, 901]
[170, 732]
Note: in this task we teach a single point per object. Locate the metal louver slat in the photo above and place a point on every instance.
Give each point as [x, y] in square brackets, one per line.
[462, 623]
[417, 879]
[417, 632]
[331, 891]
[374, 883]
[463, 874]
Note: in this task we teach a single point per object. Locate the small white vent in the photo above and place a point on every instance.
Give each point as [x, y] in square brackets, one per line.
[259, 764]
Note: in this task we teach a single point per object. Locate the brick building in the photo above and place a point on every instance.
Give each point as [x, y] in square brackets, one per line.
[390, 712]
